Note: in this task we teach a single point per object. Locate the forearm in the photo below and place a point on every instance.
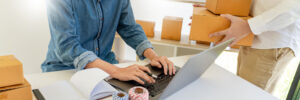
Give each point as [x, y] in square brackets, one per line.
[277, 18]
[150, 54]
[103, 65]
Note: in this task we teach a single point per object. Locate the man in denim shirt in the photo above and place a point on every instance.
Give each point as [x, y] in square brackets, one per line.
[82, 34]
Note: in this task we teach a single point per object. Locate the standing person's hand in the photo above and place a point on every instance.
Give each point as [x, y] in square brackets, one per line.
[133, 72]
[238, 30]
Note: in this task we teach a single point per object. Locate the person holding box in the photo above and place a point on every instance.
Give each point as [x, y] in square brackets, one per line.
[276, 26]
[82, 34]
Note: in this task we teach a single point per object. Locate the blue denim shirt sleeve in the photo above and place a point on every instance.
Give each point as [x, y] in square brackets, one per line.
[131, 32]
[63, 31]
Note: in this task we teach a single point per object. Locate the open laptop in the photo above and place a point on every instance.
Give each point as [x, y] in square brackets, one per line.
[167, 85]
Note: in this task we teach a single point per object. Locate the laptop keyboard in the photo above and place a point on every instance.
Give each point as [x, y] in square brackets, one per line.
[161, 82]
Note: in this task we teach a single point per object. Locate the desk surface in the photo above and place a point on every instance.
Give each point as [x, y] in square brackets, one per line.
[216, 83]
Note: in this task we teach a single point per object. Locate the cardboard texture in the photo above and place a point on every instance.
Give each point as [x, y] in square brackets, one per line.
[204, 23]
[171, 28]
[147, 26]
[16, 92]
[234, 7]
[11, 71]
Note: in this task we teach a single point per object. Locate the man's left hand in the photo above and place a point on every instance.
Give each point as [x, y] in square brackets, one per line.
[165, 63]
[238, 30]
[160, 61]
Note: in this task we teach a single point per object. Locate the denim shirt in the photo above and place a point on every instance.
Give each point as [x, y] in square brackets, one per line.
[84, 30]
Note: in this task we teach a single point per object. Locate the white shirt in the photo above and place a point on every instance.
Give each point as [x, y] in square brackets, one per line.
[276, 24]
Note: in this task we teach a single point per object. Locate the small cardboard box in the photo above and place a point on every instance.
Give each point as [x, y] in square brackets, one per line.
[205, 23]
[148, 27]
[171, 28]
[16, 92]
[234, 7]
[11, 71]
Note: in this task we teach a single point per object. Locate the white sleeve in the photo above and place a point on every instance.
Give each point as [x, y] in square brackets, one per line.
[279, 17]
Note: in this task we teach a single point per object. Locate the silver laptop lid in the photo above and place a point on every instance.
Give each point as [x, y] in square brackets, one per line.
[193, 69]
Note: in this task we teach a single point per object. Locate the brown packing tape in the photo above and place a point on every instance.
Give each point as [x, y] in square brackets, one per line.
[2, 89]
[171, 28]
[148, 27]
[205, 23]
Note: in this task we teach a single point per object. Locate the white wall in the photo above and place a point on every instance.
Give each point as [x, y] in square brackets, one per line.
[24, 32]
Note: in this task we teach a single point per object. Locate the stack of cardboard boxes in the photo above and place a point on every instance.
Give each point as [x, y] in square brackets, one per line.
[13, 85]
[206, 20]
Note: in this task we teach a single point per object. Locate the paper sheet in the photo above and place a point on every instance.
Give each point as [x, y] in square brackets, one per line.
[86, 80]
[103, 89]
[62, 90]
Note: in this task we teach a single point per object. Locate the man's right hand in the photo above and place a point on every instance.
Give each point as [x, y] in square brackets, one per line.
[133, 72]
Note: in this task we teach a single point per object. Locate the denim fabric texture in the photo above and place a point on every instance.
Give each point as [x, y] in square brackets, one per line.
[84, 30]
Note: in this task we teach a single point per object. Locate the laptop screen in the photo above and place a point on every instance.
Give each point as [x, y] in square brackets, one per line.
[194, 68]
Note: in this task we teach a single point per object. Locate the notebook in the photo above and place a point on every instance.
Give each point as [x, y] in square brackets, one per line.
[84, 85]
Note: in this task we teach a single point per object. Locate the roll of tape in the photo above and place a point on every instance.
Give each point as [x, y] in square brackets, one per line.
[138, 93]
[120, 96]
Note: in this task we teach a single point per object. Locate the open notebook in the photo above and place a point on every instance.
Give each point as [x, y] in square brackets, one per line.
[84, 85]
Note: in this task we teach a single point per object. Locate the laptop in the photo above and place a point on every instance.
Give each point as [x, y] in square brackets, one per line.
[167, 85]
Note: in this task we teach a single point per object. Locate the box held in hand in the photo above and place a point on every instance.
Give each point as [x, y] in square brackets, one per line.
[233, 7]
[205, 23]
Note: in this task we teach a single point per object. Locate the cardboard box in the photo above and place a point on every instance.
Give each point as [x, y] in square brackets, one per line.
[171, 28]
[205, 23]
[16, 92]
[148, 27]
[11, 71]
[234, 7]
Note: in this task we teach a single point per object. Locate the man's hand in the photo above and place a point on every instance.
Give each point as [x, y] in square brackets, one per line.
[133, 72]
[160, 61]
[165, 63]
[238, 30]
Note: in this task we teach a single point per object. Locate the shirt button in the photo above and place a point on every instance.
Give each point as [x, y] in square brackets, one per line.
[102, 18]
[97, 49]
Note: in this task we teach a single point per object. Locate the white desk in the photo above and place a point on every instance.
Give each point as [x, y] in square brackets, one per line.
[215, 84]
